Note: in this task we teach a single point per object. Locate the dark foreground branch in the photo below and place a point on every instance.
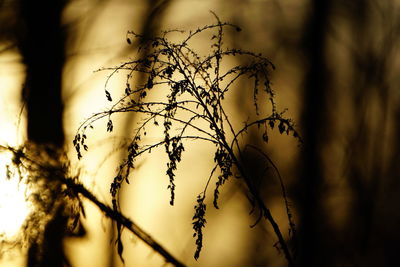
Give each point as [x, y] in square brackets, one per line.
[120, 218]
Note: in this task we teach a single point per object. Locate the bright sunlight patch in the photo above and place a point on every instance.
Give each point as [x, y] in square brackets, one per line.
[13, 207]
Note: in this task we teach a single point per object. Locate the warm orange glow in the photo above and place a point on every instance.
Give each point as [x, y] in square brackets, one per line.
[13, 207]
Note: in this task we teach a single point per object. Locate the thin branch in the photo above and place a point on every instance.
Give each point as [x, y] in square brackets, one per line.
[126, 222]
[283, 188]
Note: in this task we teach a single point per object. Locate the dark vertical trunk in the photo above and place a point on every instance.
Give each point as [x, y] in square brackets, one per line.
[41, 43]
[314, 117]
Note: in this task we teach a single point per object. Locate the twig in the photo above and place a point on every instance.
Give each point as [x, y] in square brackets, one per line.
[126, 222]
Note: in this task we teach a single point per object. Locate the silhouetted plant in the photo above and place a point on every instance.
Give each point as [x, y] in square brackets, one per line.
[44, 169]
[194, 88]
[54, 192]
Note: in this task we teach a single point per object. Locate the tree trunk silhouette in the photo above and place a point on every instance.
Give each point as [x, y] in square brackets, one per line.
[42, 48]
[311, 251]
[41, 42]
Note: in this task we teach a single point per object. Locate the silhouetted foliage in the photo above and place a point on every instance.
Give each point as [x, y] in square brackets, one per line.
[56, 197]
[192, 89]
[346, 54]
[40, 32]
[56, 208]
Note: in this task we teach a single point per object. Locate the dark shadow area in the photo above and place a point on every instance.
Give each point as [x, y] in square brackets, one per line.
[41, 43]
[349, 105]
[345, 194]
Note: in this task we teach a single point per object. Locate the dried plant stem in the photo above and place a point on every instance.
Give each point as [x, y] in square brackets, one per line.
[266, 212]
[120, 218]
[193, 87]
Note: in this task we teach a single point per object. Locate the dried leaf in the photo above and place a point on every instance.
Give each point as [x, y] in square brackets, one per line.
[108, 95]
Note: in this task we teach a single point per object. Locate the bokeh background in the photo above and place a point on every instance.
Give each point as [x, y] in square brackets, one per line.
[337, 73]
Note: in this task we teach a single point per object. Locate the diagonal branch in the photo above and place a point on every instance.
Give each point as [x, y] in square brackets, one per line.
[120, 218]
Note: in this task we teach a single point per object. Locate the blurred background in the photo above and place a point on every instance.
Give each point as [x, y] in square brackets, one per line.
[337, 73]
